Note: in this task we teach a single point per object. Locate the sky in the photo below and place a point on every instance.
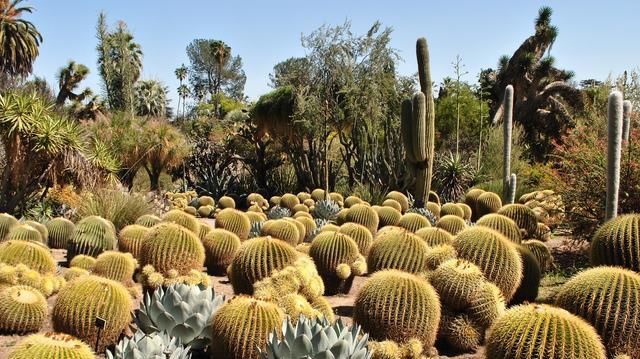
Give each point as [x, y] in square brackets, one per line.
[596, 38]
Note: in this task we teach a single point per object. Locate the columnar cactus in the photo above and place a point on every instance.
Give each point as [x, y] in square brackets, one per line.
[130, 239]
[6, 222]
[32, 254]
[84, 299]
[23, 309]
[60, 231]
[148, 220]
[503, 224]
[609, 299]
[242, 326]
[335, 255]
[182, 218]
[25, 232]
[614, 149]
[220, 246]
[171, 246]
[398, 249]
[617, 243]
[508, 129]
[398, 306]
[234, 221]
[51, 346]
[513, 183]
[558, 335]
[92, 236]
[626, 119]
[364, 215]
[116, 265]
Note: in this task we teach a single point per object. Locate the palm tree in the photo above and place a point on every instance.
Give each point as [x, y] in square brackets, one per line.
[221, 53]
[151, 98]
[183, 93]
[164, 148]
[69, 78]
[19, 39]
[543, 94]
[181, 74]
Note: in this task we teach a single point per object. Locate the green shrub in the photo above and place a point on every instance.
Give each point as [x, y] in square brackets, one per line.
[119, 207]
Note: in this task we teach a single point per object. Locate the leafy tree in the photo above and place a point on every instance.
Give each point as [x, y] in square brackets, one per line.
[69, 77]
[151, 99]
[164, 148]
[119, 63]
[19, 39]
[543, 94]
[293, 71]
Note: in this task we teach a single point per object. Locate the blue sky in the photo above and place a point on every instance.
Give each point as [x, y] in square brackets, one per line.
[596, 38]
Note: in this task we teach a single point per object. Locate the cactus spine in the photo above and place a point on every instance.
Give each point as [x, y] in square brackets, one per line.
[508, 129]
[626, 119]
[614, 129]
[418, 127]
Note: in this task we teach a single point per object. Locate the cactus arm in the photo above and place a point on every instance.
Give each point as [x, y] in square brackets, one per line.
[614, 134]
[626, 120]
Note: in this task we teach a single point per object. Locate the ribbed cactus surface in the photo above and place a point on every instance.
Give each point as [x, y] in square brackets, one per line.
[51, 346]
[25, 232]
[171, 246]
[434, 236]
[388, 216]
[487, 202]
[6, 222]
[617, 243]
[234, 221]
[183, 219]
[360, 234]
[524, 217]
[334, 253]
[452, 224]
[92, 236]
[364, 215]
[115, 265]
[505, 225]
[23, 309]
[130, 239]
[60, 231]
[32, 254]
[148, 220]
[220, 246]
[413, 222]
[398, 249]
[457, 281]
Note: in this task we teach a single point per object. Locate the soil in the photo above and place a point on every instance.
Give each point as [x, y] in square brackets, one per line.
[569, 258]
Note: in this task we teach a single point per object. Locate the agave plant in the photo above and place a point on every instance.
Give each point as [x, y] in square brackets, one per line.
[326, 209]
[149, 346]
[183, 311]
[315, 339]
[278, 212]
[453, 176]
[256, 228]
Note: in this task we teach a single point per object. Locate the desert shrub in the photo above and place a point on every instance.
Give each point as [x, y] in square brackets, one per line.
[491, 157]
[453, 176]
[119, 207]
[372, 193]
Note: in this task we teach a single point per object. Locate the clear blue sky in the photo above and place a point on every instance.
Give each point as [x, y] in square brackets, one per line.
[596, 38]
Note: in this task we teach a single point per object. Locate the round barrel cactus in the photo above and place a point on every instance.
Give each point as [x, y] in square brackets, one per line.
[257, 259]
[398, 249]
[467, 212]
[457, 281]
[115, 265]
[302, 232]
[220, 246]
[531, 275]
[83, 261]
[360, 234]
[439, 254]
[44, 232]
[617, 243]
[494, 254]
[486, 305]
[242, 326]
[542, 253]
[148, 220]
[226, 202]
[460, 333]
[289, 200]
[25, 232]
[452, 224]
[451, 209]
[434, 236]
[352, 201]
[92, 236]
[84, 299]
[487, 202]
[182, 218]
[393, 204]
[505, 225]
[171, 246]
[51, 346]
[399, 197]
[364, 215]
[32, 254]
[398, 306]
[281, 229]
[334, 254]
[388, 216]
[413, 222]
[558, 335]
[471, 199]
[7, 221]
[524, 217]
[309, 225]
[130, 239]
[23, 309]
[609, 299]
[60, 231]
[234, 221]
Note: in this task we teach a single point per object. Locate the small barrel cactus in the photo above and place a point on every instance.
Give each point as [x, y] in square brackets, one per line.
[183, 311]
[457, 281]
[234, 221]
[451, 209]
[413, 222]
[334, 255]
[487, 202]
[439, 254]
[398, 306]
[393, 204]
[399, 197]
[130, 239]
[23, 309]
[388, 216]
[434, 236]
[182, 218]
[83, 261]
[92, 236]
[452, 224]
[7, 221]
[524, 217]
[44, 232]
[148, 220]
[220, 246]
[558, 335]
[352, 201]
[531, 276]
[494, 254]
[60, 231]
[360, 234]
[170, 246]
[32, 254]
[467, 212]
[157, 345]
[337, 339]
[505, 225]
[242, 326]
[257, 259]
[398, 249]
[25, 232]
[116, 265]
[460, 333]
[542, 253]
[364, 215]
[609, 299]
[281, 229]
[486, 305]
[84, 299]
[51, 346]
[617, 243]
[226, 202]
[289, 200]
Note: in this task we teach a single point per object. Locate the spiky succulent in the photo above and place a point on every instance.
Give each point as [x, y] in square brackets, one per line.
[617, 243]
[364, 215]
[335, 254]
[148, 220]
[234, 221]
[398, 249]
[170, 246]
[23, 309]
[25, 232]
[60, 231]
[425, 213]
[326, 209]
[92, 236]
[183, 311]
[256, 229]
[7, 221]
[149, 346]
[220, 246]
[32, 254]
[316, 339]
[278, 212]
[51, 346]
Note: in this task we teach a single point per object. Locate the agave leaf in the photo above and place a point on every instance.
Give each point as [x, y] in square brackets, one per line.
[301, 347]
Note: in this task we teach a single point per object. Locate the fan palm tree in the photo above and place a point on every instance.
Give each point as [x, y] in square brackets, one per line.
[221, 53]
[19, 39]
[183, 93]
[181, 74]
[69, 77]
[151, 98]
[543, 94]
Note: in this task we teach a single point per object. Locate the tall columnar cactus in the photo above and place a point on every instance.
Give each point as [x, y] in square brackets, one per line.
[171, 246]
[220, 246]
[617, 243]
[335, 254]
[92, 236]
[614, 149]
[508, 129]
[609, 299]
[23, 309]
[398, 249]
[557, 335]
[626, 119]
[60, 231]
[399, 306]
[84, 299]
[242, 326]
[32, 254]
[418, 128]
[513, 183]
[51, 346]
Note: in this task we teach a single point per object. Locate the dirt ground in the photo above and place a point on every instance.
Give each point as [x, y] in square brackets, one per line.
[569, 258]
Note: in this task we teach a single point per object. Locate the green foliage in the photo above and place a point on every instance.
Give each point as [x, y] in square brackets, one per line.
[32, 254]
[398, 306]
[20, 40]
[23, 309]
[51, 346]
[561, 335]
[151, 99]
[121, 208]
[491, 165]
[169, 246]
[241, 327]
[220, 246]
[92, 236]
[397, 249]
[331, 252]
[608, 298]
[60, 231]
[617, 243]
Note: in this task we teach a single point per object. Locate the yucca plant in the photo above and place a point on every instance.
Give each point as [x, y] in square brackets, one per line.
[119, 207]
[453, 177]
